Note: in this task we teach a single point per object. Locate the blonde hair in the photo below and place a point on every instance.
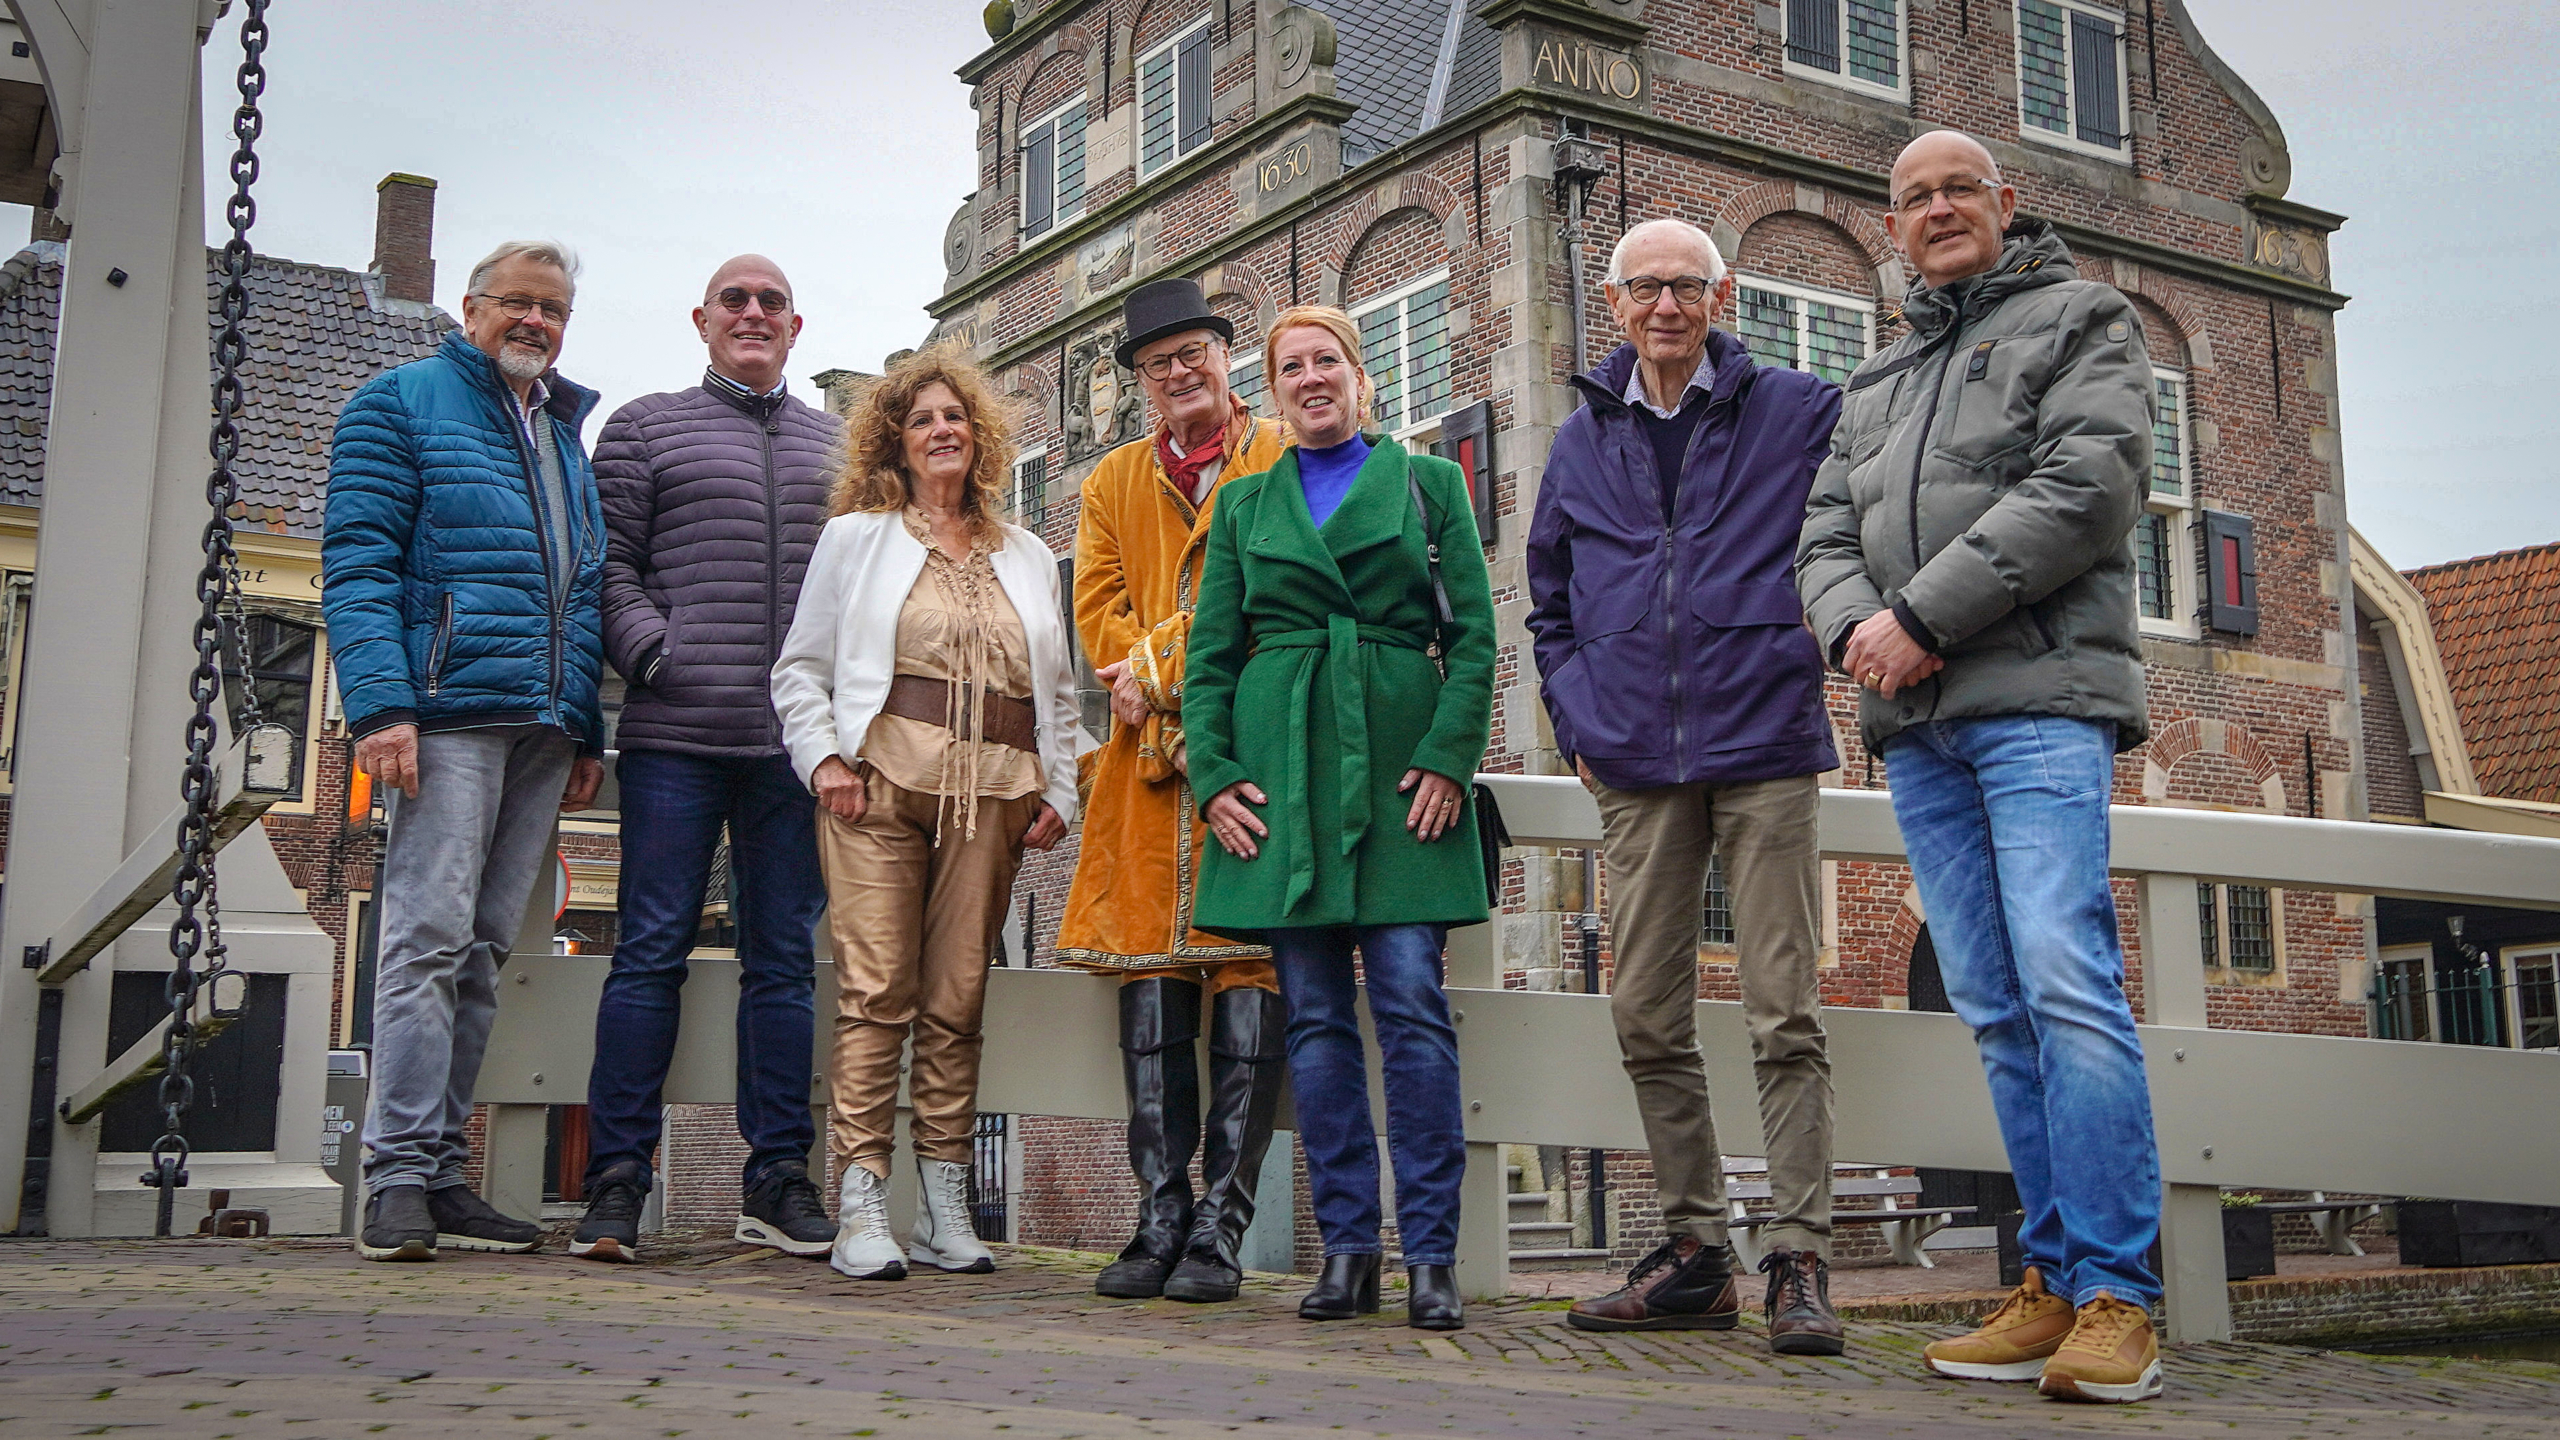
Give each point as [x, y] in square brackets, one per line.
[874, 475]
[1328, 318]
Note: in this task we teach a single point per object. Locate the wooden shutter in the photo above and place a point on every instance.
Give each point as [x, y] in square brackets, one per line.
[1466, 436]
[2095, 91]
[1040, 180]
[2231, 573]
[1191, 91]
[1813, 33]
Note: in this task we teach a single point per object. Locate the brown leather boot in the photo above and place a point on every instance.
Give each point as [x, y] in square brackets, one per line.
[1686, 1284]
[1801, 1320]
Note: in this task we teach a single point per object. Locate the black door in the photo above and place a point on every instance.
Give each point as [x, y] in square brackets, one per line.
[237, 1074]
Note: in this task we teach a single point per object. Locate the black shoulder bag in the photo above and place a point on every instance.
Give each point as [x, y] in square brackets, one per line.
[1491, 834]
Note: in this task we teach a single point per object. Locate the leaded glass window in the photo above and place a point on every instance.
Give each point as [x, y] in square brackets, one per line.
[1829, 335]
[1404, 345]
[1858, 39]
[2071, 73]
[1173, 99]
[2152, 572]
[1716, 927]
[1053, 168]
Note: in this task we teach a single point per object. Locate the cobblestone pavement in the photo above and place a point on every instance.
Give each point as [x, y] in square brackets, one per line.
[291, 1338]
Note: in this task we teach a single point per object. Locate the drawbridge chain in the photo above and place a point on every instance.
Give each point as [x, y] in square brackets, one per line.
[217, 585]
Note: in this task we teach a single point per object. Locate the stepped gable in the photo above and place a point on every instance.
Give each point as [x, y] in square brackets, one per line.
[2497, 624]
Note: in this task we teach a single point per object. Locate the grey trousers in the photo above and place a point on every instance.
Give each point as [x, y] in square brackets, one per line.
[1658, 842]
[460, 863]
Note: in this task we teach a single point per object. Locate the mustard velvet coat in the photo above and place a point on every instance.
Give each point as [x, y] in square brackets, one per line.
[1309, 676]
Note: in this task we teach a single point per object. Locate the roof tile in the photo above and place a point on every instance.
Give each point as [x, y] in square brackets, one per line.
[2497, 624]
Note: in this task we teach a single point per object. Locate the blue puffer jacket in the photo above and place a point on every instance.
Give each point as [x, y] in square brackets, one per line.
[432, 557]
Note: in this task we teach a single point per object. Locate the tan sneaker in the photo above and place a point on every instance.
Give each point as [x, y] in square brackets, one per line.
[2014, 1343]
[2112, 1357]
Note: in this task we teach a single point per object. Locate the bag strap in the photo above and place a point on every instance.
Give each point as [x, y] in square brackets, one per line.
[1442, 617]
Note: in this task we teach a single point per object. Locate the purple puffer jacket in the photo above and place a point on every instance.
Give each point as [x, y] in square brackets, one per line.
[712, 502]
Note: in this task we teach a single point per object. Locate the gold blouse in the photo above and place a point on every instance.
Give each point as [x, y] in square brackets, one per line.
[958, 626]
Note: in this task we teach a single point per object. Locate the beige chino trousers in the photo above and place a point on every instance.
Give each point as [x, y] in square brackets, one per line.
[1658, 842]
[914, 922]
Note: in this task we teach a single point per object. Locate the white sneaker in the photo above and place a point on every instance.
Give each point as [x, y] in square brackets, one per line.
[944, 1237]
[865, 1248]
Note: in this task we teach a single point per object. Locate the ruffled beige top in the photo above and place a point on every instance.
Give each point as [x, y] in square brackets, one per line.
[959, 626]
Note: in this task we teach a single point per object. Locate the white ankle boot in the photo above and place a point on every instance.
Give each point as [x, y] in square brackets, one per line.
[865, 1248]
[944, 1237]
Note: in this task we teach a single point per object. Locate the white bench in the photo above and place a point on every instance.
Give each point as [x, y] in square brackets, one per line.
[1906, 1228]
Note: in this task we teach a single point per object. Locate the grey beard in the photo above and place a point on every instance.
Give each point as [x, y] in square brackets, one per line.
[517, 365]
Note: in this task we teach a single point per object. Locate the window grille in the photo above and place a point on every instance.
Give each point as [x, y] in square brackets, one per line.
[2538, 1002]
[1829, 335]
[988, 1197]
[1861, 39]
[1717, 928]
[2253, 928]
[2209, 923]
[1031, 490]
[1053, 168]
[2152, 567]
[1404, 345]
[2071, 73]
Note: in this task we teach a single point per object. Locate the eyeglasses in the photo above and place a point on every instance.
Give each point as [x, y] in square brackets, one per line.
[1962, 190]
[1192, 356]
[735, 298]
[1646, 289]
[519, 306]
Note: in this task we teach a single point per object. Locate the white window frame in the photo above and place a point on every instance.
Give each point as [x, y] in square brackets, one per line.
[1901, 90]
[1862, 307]
[1240, 357]
[2514, 958]
[2181, 511]
[2069, 139]
[1060, 216]
[1138, 75]
[1411, 432]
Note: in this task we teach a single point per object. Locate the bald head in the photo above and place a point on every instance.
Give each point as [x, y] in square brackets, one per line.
[1948, 207]
[755, 266]
[748, 319]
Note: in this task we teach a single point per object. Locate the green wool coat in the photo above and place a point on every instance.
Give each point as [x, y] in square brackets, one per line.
[1309, 675]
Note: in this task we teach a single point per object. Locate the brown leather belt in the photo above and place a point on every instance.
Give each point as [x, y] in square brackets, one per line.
[1001, 718]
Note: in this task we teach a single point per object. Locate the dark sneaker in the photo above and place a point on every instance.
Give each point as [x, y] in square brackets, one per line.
[1801, 1320]
[397, 1225]
[782, 1210]
[1685, 1285]
[464, 1221]
[611, 1230]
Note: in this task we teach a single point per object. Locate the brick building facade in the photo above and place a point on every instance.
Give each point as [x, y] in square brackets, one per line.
[1454, 174]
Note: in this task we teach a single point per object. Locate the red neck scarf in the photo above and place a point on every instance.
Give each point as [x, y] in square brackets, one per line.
[1190, 472]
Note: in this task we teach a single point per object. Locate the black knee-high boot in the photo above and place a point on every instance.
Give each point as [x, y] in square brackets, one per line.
[1159, 1019]
[1247, 1051]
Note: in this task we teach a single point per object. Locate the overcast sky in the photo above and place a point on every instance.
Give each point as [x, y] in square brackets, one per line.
[660, 138]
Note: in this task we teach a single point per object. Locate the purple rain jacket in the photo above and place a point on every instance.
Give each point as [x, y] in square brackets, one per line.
[1679, 658]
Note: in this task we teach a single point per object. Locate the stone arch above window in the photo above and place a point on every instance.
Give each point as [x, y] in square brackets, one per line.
[1352, 229]
[1404, 245]
[2199, 761]
[2164, 298]
[1806, 250]
[1057, 79]
[1164, 19]
[1860, 222]
[2162, 336]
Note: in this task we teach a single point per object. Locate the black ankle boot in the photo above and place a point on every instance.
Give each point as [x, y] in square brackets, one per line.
[1348, 1287]
[1246, 1071]
[1431, 1298]
[1159, 1018]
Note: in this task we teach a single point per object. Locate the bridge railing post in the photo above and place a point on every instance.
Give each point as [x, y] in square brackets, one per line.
[1484, 1215]
[2194, 1289]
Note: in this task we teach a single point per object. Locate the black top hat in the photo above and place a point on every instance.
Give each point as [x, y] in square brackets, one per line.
[1166, 307]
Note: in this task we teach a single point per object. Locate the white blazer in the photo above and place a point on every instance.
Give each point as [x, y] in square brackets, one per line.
[837, 662]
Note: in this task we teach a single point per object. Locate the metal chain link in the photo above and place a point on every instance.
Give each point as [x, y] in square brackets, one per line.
[195, 887]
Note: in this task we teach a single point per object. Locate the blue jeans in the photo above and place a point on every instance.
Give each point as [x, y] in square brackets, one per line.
[673, 807]
[2006, 820]
[1329, 1078]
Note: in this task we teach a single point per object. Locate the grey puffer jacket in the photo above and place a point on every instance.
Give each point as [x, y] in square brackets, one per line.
[712, 503]
[1986, 474]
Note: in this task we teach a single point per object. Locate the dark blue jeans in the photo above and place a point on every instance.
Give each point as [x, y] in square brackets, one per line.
[1329, 1077]
[673, 806]
[2006, 820]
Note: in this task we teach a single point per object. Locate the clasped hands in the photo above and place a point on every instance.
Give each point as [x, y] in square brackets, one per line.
[1883, 657]
[1436, 803]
